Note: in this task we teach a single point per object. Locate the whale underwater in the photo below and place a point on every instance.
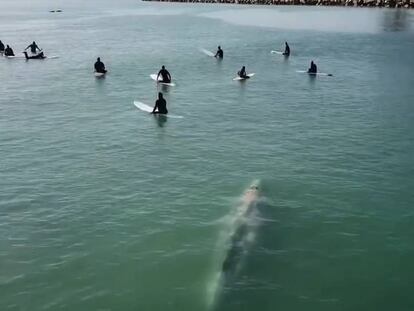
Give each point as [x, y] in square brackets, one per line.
[241, 231]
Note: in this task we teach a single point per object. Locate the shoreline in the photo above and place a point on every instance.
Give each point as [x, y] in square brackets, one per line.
[407, 4]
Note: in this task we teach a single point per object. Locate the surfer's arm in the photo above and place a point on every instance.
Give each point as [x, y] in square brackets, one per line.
[158, 75]
[155, 107]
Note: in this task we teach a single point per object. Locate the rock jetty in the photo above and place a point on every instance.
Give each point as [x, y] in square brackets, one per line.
[353, 3]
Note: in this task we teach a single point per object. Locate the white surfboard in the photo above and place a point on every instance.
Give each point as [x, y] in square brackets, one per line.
[276, 52]
[207, 52]
[144, 107]
[315, 74]
[154, 77]
[240, 78]
[99, 74]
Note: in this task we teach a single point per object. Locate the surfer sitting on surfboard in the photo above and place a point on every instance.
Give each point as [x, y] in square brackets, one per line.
[313, 68]
[33, 48]
[8, 51]
[242, 73]
[219, 53]
[287, 49]
[160, 105]
[166, 77]
[100, 66]
[1, 47]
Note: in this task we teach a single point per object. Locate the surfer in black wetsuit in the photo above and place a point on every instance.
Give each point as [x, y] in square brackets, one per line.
[287, 49]
[242, 73]
[219, 53]
[8, 51]
[160, 105]
[1, 47]
[313, 69]
[33, 48]
[100, 66]
[166, 77]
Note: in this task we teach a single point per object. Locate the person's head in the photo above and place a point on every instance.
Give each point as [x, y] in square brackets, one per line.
[311, 62]
[219, 47]
[34, 43]
[163, 67]
[160, 95]
[8, 46]
[286, 43]
[98, 59]
[243, 68]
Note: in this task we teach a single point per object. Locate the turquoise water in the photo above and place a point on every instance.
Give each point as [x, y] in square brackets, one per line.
[103, 207]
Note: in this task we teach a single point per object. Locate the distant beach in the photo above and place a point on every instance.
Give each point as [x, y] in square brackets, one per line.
[351, 3]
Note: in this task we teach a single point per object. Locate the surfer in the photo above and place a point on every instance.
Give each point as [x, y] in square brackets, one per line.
[1, 47]
[8, 51]
[242, 73]
[160, 105]
[33, 48]
[287, 49]
[166, 77]
[219, 53]
[100, 66]
[313, 69]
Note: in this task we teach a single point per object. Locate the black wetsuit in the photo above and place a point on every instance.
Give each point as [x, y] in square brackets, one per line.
[219, 53]
[33, 48]
[9, 52]
[313, 68]
[100, 67]
[161, 106]
[287, 50]
[166, 77]
[1, 47]
[242, 74]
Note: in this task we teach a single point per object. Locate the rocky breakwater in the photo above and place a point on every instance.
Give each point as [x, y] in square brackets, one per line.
[354, 3]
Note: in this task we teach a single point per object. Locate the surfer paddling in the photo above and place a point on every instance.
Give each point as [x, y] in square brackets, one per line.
[1, 47]
[160, 105]
[165, 75]
[100, 66]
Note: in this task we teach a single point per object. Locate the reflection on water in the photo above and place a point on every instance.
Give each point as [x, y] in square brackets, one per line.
[396, 20]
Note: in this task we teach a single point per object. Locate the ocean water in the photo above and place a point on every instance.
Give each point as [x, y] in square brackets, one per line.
[104, 207]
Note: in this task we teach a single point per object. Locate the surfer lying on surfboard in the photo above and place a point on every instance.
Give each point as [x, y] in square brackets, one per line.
[242, 73]
[165, 75]
[160, 105]
[99, 66]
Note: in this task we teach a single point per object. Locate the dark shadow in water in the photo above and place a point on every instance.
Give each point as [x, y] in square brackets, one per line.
[160, 119]
[164, 88]
[396, 20]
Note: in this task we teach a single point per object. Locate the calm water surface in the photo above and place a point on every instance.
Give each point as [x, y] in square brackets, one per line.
[103, 207]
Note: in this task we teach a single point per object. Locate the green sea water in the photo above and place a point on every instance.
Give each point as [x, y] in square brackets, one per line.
[104, 207]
